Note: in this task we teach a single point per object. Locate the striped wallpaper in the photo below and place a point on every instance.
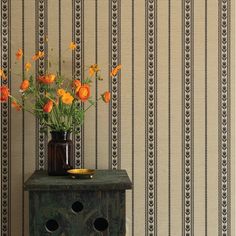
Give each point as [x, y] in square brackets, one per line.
[170, 122]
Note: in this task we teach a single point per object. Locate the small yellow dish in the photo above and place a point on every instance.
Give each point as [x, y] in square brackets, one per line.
[81, 173]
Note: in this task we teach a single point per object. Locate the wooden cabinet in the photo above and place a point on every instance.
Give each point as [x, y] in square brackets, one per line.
[62, 206]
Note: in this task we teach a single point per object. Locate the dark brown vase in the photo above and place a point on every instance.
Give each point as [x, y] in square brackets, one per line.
[60, 157]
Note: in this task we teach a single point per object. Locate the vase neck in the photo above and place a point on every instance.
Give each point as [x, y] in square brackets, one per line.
[60, 135]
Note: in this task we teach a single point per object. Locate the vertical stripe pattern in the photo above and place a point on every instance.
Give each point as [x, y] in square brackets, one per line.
[23, 119]
[187, 197]
[151, 117]
[224, 119]
[169, 117]
[77, 71]
[132, 141]
[114, 84]
[5, 121]
[172, 123]
[96, 84]
[41, 67]
[206, 120]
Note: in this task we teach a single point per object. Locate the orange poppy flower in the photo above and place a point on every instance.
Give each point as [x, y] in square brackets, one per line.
[24, 85]
[76, 84]
[47, 79]
[2, 74]
[27, 66]
[106, 97]
[16, 105]
[115, 70]
[48, 106]
[4, 93]
[84, 92]
[19, 54]
[61, 92]
[38, 55]
[67, 98]
[72, 46]
[93, 69]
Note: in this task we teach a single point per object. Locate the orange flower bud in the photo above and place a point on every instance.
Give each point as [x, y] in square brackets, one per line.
[83, 93]
[38, 55]
[93, 69]
[48, 106]
[4, 93]
[67, 98]
[106, 97]
[47, 79]
[2, 74]
[24, 85]
[27, 66]
[76, 84]
[19, 54]
[16, 105]
[115, 70]
[61, 92]
[72, 46]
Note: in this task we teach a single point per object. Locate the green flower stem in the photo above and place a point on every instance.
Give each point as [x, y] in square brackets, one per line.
[92, 104]
[23, 107]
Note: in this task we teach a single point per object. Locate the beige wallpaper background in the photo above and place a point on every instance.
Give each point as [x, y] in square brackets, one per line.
[171, 120]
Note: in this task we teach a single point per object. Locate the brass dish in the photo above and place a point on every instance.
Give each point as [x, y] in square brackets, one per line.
[81, 173]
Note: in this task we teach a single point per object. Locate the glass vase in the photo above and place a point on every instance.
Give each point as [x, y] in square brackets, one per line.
[60, 153]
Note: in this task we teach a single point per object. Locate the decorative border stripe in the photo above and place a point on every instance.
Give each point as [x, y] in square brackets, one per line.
[6, 120]
[188, 136]
[169, 117]
[206, 122]
[41, 13]
[59, 36]
[77, 71]
[151, 118]
[132, 138]
[23, 120]
[114, 84]
[96, 84]
[224, 198]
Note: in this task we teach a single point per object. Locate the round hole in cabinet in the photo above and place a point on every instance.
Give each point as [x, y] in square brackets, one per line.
[77, 207]
[100, 224]
[51, 225]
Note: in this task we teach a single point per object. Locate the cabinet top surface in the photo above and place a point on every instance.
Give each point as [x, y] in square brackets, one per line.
[102, 180]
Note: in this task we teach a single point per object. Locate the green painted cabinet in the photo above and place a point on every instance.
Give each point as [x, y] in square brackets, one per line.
[61, 206]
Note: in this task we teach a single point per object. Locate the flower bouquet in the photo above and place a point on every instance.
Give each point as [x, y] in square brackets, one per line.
[57, 102]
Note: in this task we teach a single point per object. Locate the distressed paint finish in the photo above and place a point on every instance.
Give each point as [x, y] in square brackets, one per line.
[102, 180]
[102, 196]
[57, 205]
